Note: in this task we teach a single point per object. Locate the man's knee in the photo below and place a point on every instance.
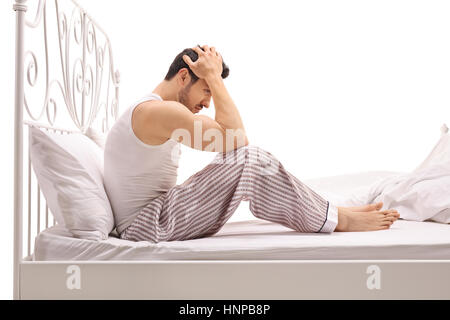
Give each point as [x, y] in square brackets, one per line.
[251, 152]
[251, 155]
[251, 148]
[265, 162]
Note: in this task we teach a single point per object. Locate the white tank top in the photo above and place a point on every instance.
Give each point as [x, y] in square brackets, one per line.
[135, 172]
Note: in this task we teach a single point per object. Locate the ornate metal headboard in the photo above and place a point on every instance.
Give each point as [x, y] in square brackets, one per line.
[78, 80]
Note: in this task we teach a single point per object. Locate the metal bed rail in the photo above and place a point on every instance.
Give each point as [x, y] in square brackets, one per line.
[88, 87]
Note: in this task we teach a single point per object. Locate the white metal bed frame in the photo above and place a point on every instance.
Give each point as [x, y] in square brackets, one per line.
[199, 279]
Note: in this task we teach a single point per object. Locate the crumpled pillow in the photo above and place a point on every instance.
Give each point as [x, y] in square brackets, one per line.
[424, 193]
[420, 195]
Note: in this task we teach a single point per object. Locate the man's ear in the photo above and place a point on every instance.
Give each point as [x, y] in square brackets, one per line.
[184, 77]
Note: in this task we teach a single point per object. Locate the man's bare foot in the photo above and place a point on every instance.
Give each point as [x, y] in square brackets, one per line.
[365, 208]
[365, 220]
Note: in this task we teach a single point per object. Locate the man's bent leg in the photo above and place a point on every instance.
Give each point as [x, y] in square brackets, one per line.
[278, 196]
[203, 203]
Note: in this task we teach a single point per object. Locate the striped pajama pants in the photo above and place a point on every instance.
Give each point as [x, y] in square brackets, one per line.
[201, 205]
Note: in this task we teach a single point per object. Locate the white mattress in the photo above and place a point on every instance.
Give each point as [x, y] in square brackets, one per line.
[257, 239]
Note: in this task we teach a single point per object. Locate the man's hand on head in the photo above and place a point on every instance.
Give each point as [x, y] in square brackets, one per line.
[208, 64]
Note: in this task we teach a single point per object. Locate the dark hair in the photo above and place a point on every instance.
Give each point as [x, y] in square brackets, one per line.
[178, 63]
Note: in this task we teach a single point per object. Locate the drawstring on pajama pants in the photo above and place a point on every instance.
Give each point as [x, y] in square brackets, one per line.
[201, 205]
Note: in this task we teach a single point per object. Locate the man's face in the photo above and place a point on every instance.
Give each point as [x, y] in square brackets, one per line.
[195, 96]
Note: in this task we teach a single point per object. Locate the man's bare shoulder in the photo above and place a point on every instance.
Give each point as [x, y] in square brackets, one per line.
[157, 108]
[152, 120]
[145, 121]
[162, 114]
[150, 105]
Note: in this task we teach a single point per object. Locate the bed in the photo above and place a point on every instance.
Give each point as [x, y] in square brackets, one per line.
[248, 258]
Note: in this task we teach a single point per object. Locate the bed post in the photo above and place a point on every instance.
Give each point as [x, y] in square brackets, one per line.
[20, 9]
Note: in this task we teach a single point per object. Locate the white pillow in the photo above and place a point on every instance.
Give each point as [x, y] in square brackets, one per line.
[98, 137]
[69, 170]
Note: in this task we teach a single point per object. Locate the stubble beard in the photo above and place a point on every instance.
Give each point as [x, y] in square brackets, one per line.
[183, 96]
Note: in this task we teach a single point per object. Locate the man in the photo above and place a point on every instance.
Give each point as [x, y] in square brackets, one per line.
[141, 160]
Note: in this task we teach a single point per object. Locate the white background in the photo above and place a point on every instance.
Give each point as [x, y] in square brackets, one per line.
[328, 87]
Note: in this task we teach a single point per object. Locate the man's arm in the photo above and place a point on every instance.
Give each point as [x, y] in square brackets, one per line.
[170, 119]
[227, 114]
[209, 66]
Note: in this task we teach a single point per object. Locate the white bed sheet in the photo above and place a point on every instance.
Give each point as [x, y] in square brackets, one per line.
[257, 239]
[261, 240]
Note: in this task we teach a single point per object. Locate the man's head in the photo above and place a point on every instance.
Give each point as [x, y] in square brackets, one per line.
[192, 91]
